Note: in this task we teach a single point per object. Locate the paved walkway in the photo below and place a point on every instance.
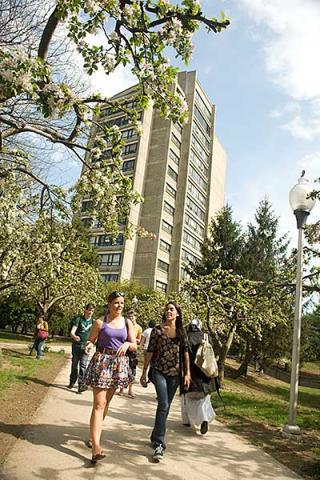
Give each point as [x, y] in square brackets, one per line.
[53, 446]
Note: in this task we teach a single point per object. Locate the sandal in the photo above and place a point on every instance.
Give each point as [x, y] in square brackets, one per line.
[99, 456]
[131, 395]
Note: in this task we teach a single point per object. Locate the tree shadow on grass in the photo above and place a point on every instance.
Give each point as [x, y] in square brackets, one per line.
[306, 399]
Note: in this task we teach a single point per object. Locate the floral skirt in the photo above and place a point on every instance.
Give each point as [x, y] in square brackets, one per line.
[107, 371]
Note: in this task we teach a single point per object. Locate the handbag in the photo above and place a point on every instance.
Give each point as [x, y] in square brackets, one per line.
[205, 358]
[42, 334]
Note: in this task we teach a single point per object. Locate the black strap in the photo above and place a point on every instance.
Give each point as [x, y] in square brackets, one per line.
[217, 383]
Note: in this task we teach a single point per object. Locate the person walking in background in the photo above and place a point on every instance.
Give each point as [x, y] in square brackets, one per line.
[133, 361]
[80, 329]
[109, 367]
[41, 334]
[168, 358]
[196, 407]
[146, 336]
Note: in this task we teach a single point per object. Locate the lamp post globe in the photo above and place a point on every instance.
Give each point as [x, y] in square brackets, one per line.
[301, 205]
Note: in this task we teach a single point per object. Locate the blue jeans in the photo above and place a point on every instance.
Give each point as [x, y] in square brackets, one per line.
[38, 344]
[166, 388]
[79, 363]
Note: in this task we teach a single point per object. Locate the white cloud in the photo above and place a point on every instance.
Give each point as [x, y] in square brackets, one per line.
[113, 83]
[290, 45]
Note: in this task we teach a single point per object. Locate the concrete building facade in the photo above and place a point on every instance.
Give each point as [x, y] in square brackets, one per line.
[180, 171]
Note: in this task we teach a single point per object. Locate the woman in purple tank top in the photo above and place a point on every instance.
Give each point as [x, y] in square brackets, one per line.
[109, 366]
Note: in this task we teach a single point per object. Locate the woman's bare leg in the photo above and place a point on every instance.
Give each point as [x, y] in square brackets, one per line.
[99, 403]
[110, 393]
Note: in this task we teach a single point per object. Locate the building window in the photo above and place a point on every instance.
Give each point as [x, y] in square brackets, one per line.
[191, 240]
[122, 121]
[197, 178]
[86, 205]
[199, 164]
[164, 246]
[184, 274]
[199, 149]
[110, 259]
[107, 240]
[194, 225]
[130, 149]
[172, 174]
[171, 190]
[126, 134]
[129, 105]
[87, 222]
[203, 107]
[174, 157]
[179, 127]
[168, 208]
[196, 194]
[128, 165]
[189, 257]
[194, 208]
[202, 120]
[166, 226]
[201, 136]
[110, 277]
[175, 140]
[161, 286]
[163, 266]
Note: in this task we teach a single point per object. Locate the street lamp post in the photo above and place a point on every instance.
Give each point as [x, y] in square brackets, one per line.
[301, 206]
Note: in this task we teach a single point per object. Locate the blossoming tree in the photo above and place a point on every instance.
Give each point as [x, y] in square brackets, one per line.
[37, 102]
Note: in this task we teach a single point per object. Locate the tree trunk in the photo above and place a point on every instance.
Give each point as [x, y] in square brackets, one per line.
[224, 352]
[24, 329]
[243, 369]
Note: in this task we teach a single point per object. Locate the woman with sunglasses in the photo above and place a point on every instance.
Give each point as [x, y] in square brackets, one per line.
[169, 359]
[109, 366]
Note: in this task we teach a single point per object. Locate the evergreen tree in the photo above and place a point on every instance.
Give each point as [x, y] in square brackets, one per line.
[264, 260]
[223, 247]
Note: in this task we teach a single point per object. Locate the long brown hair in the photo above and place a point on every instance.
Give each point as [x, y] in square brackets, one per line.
[179, 324]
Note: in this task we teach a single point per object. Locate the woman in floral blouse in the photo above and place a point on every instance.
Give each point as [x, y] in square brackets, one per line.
[168, 357]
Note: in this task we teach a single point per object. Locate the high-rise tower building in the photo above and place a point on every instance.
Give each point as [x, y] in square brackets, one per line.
[180, 171]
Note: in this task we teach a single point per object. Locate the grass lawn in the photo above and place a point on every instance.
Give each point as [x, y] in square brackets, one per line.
[257, 408]
[24, 382]
[18, 367]
[9, 337]
[312, 367]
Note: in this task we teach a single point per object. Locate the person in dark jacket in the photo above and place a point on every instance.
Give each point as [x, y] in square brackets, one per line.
[196, 408]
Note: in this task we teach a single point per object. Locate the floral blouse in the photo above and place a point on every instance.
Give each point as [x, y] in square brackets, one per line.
[166, 352]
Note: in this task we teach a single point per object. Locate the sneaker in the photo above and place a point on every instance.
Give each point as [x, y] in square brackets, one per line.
[158, 453]
[204, 428]
[71, 385]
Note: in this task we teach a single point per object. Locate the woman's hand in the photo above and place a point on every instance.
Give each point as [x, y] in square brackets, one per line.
[88, 347]
[143, 379]
[187, 381]
[123, 349]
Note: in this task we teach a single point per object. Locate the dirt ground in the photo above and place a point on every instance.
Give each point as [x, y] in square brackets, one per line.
[21, 401]
[297, 455]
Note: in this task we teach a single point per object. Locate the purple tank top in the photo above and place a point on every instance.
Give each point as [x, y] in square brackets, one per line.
[110, 337]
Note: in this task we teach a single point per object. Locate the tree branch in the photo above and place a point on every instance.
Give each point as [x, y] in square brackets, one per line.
[47, 34]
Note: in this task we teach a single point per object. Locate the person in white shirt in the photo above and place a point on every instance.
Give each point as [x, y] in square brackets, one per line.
[146, 336]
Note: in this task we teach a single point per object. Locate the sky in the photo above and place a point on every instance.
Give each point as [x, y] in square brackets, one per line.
[263, 75]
